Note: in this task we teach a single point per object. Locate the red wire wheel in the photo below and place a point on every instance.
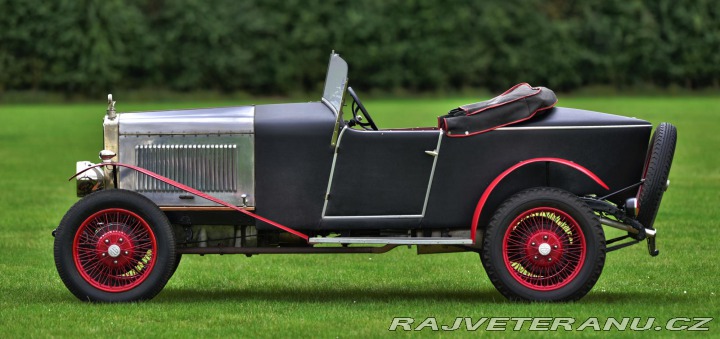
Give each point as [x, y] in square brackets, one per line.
[544, 244]
[544, 248]
[115, 246]
[114, 250]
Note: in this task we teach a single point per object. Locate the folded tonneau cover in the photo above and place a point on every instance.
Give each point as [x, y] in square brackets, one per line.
[519, 103]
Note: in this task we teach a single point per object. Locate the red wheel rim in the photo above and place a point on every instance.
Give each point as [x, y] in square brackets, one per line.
[114, 250]
[544, 249]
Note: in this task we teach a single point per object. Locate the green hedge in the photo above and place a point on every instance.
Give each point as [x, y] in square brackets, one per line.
[90, 47]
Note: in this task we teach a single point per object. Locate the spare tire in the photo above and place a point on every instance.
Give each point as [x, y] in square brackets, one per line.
[655, 173]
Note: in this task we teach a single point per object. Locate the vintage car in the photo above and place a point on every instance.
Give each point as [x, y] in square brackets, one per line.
[525, 184]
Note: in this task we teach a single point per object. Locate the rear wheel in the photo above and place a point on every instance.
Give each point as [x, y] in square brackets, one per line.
[115, 246]
[657, 169]
[544, 244]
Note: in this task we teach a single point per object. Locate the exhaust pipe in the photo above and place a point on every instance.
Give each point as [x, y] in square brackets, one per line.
[650, 233]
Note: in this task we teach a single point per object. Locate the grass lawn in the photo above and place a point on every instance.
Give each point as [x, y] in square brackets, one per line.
[342, 295]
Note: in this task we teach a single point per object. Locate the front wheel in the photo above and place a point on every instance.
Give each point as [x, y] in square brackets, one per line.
[544, 244]
[115, 246]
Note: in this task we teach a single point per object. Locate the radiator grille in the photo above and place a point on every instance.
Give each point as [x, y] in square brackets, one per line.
[208, 168]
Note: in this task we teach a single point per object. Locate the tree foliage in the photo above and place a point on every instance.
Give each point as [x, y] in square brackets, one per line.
[281, 46]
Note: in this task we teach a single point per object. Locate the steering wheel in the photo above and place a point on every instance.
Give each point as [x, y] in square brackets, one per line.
[358, 107]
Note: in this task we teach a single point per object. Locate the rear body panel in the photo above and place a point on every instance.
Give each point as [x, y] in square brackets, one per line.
[610, 146]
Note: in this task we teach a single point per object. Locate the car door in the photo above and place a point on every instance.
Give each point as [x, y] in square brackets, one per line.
[381, 174]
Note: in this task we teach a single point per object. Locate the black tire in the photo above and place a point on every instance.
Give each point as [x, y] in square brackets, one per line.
[543, 244]
[115, 246]
[656, 171]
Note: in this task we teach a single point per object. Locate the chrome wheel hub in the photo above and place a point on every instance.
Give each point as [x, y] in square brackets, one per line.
[544, 249]
[114, 251]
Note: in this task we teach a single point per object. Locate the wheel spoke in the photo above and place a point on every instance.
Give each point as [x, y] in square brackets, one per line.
[100, 246]
[544, 270]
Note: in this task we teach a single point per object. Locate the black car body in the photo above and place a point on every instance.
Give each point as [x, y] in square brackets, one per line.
[527, 187]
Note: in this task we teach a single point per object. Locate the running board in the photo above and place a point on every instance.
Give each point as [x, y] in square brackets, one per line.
[392, 240]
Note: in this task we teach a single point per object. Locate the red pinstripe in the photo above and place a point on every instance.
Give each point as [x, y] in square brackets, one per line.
[491, 187]
[198, 193]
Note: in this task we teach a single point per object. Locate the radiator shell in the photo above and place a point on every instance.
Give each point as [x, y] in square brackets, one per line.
[208, 149]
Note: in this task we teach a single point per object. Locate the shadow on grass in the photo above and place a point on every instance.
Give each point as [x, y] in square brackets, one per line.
[328, 295]
[350, 294]
[631, 297]
[489, 296]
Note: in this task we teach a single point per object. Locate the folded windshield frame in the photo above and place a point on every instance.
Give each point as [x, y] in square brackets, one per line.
[335, 85]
